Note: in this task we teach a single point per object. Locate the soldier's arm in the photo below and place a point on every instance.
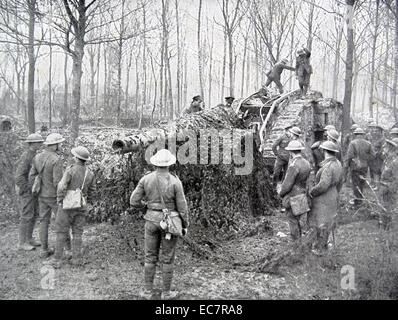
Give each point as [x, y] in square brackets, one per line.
[33, 171]
[323, 184]
[276, 144]
[350, 155]
[289, 68]
[63, 185]
[181, 203]
[57, 172]
[91, 190]
[289, 180]
[138, 194]
[20, 174]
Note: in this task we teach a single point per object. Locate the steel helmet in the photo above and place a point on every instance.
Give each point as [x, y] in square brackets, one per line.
[296, 131]
[393, 142]
[54, 138]
[330, 146]
[333, 134]
[294, 145]
[34, 137]
[359, 131]
[354, 126]
[394, 131]
[330, 127]
[163, 158]
[81, 153]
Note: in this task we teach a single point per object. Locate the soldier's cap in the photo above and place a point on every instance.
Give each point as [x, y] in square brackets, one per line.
[330, 146]
[54, 138]
[163, 158]
[333, 134]
[296, 131]
[354, 126]
[330, 127]
[294, 145]
[229, 98]
[359, 131]
[394, 131]
[393, 142]
[34, 137]
[81, 153]
[197, 98]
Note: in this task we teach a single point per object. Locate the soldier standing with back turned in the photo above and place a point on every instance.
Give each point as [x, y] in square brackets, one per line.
[29, 202]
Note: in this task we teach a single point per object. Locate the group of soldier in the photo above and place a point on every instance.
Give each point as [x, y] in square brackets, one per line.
[42, 184]
[321, 173]
[303, 71]
[197, 104]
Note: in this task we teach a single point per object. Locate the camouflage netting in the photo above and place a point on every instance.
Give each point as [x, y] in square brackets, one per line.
[222, 204]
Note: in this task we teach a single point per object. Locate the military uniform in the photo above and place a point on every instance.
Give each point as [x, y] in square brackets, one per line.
[194, 107]
[282, 156]
[295, 183]
[49, 163]
[303, 73]
[174, 198]
[74, 218]
[29, 203]
[376, 163]
[359, 153]
[275, 75]
[325, 193]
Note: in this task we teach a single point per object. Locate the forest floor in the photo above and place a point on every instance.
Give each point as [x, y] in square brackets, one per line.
[114, 268]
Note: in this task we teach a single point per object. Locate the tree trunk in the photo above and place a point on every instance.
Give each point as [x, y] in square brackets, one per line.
[395, 83]
[126, 103]
[337, 63]
[65, 111]
[119, 64]
[178, 107]
[32, 61]
[200, 50]
[231, 65]
[349, 65]
[373, 65]
[243, 63]
[137, 88]
[76, 87]
[50, 86]
[97, 86]
[224, 62]
[211, 65]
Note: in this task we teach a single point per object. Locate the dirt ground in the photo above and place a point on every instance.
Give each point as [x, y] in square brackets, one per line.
[114, 266]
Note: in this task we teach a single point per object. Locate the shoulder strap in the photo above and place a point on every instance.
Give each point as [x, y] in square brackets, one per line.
[84, 180]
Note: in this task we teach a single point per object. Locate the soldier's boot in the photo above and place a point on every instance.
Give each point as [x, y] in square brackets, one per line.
[45, 250]
[149, 275]
[77, 259]
[29, 236]
[167, 294]
[56, 260]
[23, 245]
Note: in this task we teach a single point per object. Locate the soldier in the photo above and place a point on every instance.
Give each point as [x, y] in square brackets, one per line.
[29, 202]
[295, 183]
[172, 191]
[334, 136]
[325, 195]
[376, 138]
[76, 176]
[47, 164]
[389, 183]
[196, 105]
[349, 137]
[275, 74]
[282, 156]
[229, 101]
[303, 70]
[359, 153]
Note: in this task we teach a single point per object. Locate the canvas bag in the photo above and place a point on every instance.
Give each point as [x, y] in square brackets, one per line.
[299, 204]
[37, 181]
[171, 218]
[74, 199]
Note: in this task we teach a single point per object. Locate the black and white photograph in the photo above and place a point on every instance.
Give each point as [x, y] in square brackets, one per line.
[198, 150]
